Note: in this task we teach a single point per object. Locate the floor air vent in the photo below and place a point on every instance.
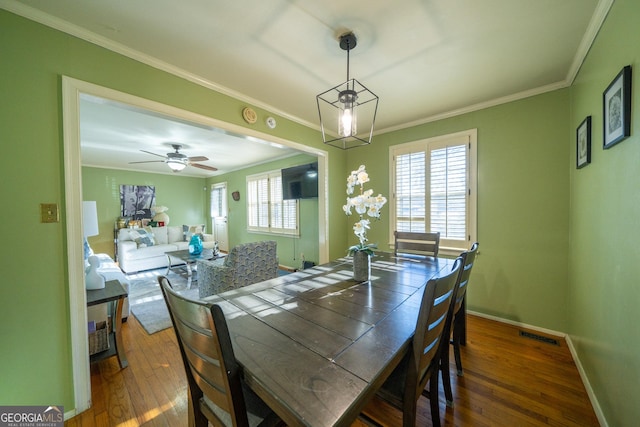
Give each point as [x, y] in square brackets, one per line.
[539, 338]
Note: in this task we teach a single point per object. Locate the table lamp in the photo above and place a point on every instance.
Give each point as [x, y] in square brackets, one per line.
[93, 280]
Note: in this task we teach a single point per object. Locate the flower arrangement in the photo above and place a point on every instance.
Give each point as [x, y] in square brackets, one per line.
[364, 203]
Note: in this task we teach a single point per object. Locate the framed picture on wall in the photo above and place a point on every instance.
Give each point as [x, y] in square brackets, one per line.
[583, 143]
[616, 106]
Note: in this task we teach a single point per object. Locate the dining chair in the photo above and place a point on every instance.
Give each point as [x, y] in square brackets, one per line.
[459, 324]
[406, 383]
[217, 393]
[456, 315]
[425, 244]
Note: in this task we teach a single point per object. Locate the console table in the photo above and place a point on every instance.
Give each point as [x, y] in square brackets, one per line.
[112, 292]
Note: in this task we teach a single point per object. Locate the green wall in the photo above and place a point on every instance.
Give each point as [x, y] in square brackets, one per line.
[558, 246]
[289, 248]
[35, 362]
[186, 198]
[523, 206]
[604, 271]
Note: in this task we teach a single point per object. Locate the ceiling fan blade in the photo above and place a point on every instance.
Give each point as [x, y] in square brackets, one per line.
[205, 167]
[149, 161]
[149, 152]
[198, 159]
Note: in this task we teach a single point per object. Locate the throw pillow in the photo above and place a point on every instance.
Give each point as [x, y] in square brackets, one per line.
[189, 230]
[160, 234]
[143, 238]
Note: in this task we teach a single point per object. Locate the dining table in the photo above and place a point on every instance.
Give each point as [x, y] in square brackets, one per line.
[315, 345]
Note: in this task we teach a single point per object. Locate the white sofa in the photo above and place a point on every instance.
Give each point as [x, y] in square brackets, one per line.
[139, 256]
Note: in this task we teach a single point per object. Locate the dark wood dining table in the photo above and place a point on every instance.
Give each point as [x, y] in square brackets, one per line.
[316, 345]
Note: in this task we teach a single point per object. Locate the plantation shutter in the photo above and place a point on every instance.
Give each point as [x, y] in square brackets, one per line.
[432, 188]
[266, 211]
[410, 192]
[284, 218]
[448, 177]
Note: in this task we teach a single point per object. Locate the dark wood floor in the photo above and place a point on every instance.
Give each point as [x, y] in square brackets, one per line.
[509, 380]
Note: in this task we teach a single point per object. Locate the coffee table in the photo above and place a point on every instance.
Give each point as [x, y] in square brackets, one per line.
[185, 258]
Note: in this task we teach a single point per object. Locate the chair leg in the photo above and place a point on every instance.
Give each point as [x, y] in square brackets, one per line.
[195, 418]
[458, 325]
[446, 376]
[409, 409]
[433, 399]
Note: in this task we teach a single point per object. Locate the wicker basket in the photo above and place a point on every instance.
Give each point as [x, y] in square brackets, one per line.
[99, 340]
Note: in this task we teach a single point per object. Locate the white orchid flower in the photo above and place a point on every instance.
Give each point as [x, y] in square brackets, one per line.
[365, 203]
[363, 177]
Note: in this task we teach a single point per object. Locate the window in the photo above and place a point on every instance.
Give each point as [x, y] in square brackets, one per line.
[434, 188]
[218, 201]
[266, 211]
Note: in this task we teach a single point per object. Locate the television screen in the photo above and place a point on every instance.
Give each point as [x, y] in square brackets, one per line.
[300, 182]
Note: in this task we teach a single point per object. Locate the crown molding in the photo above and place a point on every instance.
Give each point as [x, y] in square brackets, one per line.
[86, 35]
[600, 14]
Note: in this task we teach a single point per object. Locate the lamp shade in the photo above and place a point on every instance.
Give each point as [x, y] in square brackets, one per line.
[176, 165]
[90, 219]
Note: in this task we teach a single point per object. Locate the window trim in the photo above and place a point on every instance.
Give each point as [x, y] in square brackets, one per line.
[471, 136]
[269, 175]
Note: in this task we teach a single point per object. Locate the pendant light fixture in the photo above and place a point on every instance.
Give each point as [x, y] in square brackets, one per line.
[347, 111]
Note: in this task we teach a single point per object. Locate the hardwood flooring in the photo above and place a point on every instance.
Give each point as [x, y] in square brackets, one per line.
[509, 380]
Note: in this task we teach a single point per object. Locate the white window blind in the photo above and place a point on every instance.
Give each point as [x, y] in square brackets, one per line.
[434, 188]
[266, 211]
[218, 207]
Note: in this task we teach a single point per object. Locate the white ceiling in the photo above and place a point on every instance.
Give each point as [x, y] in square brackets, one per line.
[425, 59]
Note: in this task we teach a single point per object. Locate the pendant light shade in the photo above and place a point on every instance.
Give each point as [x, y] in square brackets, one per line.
[347, 111]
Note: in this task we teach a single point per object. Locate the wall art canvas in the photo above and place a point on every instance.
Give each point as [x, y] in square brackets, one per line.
[136, 201]
[583, 143]
[617, 109]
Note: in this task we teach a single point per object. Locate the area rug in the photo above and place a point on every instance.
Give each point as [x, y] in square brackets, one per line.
[146, 301]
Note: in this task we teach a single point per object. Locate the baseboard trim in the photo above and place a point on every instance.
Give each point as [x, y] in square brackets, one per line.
[587, 385]
[574, 355]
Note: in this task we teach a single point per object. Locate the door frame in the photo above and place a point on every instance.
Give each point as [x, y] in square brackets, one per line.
[72, 89]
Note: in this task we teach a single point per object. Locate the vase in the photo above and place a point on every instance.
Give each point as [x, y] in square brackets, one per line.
[361, 266]
[195, 245]
[93, 280]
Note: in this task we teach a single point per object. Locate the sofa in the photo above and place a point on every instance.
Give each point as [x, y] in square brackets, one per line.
[144, 248]
[245, 264]
[110, 271]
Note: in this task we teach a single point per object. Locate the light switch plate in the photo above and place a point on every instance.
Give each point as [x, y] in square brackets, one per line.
[49, 212]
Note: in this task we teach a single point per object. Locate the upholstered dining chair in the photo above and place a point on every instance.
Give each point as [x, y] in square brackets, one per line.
[425, 244]
[456, 319]
[217, 393]
[406, 383]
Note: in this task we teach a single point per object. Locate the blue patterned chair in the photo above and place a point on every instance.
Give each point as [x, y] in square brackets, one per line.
[246, 263]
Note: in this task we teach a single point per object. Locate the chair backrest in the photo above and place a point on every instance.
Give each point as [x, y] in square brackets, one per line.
[253, 262]
[426, 244]
[436, 301]
[468, 258]
[207, 353]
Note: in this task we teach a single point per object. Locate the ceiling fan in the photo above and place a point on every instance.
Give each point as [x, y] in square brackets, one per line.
[178, 161]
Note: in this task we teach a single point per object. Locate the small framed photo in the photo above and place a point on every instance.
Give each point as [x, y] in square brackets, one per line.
[583, 143]
[616, 107]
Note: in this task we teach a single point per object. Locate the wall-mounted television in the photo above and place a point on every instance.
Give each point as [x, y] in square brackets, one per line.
[300, 182]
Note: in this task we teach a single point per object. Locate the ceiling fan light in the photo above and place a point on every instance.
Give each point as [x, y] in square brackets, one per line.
[176, 165]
